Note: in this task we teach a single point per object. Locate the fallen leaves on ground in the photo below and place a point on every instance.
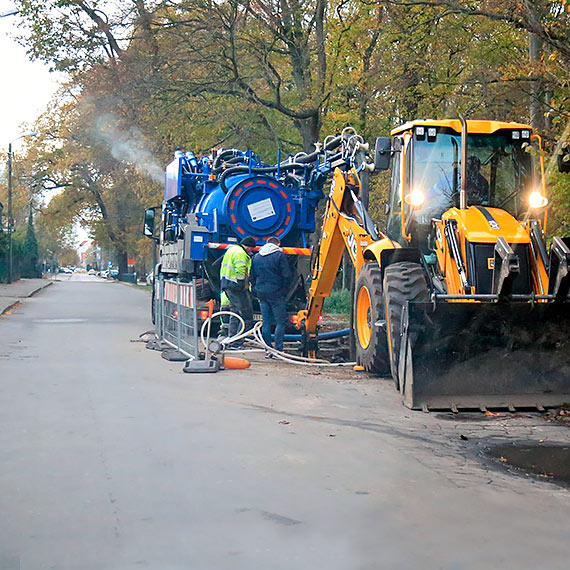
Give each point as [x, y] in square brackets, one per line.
[561, 415]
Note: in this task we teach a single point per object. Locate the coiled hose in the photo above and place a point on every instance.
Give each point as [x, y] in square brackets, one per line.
[258, 339]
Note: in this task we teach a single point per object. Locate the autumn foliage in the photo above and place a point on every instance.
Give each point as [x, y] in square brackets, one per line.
[147, 77]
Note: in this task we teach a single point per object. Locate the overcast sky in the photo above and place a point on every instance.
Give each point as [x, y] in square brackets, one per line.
[26, 87]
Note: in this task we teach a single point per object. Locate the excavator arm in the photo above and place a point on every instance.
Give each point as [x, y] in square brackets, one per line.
[346, 225]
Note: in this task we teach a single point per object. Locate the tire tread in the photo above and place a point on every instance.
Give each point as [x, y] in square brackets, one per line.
[374, 358]
[403, 281]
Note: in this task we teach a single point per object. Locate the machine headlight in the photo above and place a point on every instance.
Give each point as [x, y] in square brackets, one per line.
[416, 198]
[537, 200]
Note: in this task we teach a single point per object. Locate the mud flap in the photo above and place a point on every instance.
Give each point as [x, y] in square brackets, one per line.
[481, 355]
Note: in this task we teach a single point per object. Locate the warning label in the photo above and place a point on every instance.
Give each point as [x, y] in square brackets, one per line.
[261, 210]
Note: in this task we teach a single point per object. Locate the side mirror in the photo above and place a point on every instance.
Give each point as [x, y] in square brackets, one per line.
[564, 158]
[149, 216]
[382, 153]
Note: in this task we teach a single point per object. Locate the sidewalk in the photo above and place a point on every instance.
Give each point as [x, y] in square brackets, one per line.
[13, 293]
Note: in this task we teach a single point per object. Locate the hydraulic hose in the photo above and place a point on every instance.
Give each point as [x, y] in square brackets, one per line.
[228, 153]
[300, 162]
[239, 160]
[323, 336]
[331, 145]
[230, 162]
[259, 170]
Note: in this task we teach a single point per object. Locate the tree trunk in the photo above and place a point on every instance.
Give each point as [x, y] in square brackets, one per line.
[122, 259]
[310, 130]
[535, 46]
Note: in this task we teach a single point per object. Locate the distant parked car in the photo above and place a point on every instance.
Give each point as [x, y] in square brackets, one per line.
[65, 270]
[113, 273]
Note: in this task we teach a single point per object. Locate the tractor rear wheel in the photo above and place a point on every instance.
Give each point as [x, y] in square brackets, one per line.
[404, 281]
[369, 321]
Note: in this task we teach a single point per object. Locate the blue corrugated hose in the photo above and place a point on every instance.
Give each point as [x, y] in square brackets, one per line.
[324, 336]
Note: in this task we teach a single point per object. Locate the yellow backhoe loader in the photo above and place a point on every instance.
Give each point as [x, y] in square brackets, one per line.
[459, 299]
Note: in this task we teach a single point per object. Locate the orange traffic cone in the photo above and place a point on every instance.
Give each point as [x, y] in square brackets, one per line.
[235, 363]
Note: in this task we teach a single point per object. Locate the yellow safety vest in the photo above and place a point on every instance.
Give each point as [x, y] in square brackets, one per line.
[235, 264]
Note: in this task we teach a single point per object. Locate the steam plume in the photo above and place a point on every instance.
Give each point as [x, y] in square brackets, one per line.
[128, 146]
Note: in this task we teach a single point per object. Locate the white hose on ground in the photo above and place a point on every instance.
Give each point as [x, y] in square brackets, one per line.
[225, 341]
[258, 339]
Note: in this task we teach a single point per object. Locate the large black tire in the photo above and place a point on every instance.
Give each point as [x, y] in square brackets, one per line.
[369, 321]
[404, 281]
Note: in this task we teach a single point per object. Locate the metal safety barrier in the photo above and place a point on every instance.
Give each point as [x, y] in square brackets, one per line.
[176, 315]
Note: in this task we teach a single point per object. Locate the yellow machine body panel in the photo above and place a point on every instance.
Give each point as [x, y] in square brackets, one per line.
[482, 127]
[477, 228]
[375, 249]
[474, 228]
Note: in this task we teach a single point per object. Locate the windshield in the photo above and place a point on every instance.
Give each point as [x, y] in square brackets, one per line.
[500, 172]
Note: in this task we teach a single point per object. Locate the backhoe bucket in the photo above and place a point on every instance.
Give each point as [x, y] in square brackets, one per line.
[471, 355]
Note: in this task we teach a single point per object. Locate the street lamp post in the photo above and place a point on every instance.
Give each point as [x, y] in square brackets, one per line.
[10, 218]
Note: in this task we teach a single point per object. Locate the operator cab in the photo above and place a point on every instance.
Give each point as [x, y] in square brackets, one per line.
[503, 171]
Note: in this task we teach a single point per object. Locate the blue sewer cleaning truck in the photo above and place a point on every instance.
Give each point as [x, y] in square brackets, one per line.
[213, 201]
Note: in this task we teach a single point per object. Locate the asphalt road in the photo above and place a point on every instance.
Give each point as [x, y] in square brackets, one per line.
[111, 458]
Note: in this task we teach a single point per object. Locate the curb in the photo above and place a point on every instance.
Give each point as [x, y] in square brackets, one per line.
[18, 300]
[45, 286]
[137, 286]
[9, 307]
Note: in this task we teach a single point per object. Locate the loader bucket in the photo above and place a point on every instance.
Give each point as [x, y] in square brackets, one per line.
[470, 355]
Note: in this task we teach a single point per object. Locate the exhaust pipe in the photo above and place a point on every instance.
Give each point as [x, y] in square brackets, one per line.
[463, 191]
